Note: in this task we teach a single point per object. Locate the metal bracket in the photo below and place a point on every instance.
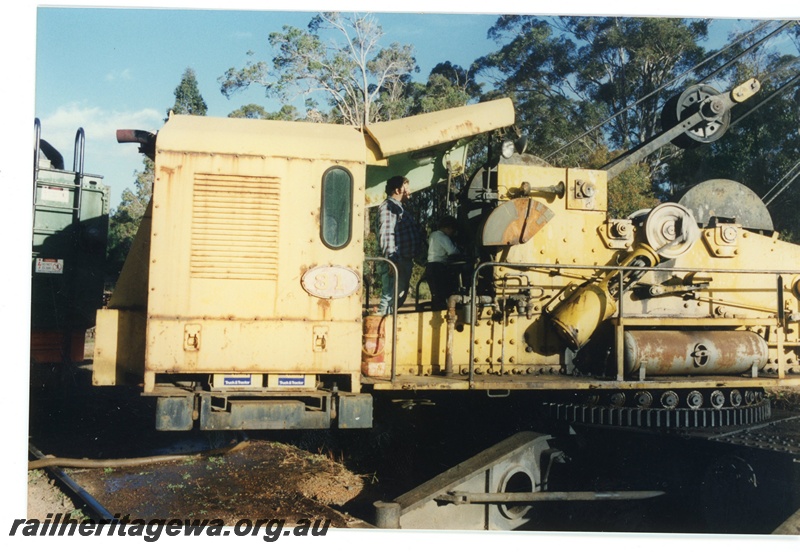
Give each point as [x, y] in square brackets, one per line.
[723, 240]
[320, 343]
[191, 337]
[617, 233]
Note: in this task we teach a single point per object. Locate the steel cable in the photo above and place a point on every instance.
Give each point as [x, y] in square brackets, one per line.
[676, 79]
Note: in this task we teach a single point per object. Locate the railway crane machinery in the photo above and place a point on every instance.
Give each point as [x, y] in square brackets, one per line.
[242, 303]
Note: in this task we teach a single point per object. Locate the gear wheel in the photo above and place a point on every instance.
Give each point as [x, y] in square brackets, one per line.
[665, 417]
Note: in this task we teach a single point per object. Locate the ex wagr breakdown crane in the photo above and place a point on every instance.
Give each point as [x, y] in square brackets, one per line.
[241, 304]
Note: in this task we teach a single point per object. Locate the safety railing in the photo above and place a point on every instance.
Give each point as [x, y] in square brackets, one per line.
[473, 301]
[395, 299]
[621, 289]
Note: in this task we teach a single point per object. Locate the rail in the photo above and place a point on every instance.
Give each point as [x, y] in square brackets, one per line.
[97, 510]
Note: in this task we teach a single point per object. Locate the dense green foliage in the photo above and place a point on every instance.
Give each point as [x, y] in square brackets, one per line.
[188, 100]
[124, 220]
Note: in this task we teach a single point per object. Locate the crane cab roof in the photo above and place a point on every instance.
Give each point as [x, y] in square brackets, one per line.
[290, 139]
[297, 139]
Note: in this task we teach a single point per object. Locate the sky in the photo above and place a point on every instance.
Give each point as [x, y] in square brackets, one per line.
[104, 68]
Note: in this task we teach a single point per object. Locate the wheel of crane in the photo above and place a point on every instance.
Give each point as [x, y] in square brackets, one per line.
[717, 399]
[669, 399]
[682, 106]
[643, 399]
[617, 399]
[694, 400]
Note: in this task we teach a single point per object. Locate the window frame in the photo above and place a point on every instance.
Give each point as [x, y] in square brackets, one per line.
[323, 210]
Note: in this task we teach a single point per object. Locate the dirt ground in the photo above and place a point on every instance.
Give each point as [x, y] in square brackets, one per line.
[262, 480]
[266, 479]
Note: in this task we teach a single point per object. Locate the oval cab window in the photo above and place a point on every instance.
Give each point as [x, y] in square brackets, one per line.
[336, 214]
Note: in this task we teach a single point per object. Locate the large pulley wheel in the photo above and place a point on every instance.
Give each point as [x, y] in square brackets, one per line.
[681, 107]
[671, 230]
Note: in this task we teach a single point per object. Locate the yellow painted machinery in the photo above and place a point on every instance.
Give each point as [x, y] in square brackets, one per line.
[242, 303]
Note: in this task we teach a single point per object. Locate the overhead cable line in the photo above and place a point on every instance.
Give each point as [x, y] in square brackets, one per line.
[785, 186]
[749, 49]
[780, 90]
[669, 83]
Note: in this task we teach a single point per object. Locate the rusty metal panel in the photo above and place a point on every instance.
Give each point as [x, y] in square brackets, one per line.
[174, 413]
[261, 414]
[355, 411]
[251, 346]
[515, 222]
[587, 190]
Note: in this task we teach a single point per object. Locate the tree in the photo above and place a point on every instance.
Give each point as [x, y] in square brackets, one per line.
[448, 86]
[338, 59]
[188, 100]
[254, 111]
[625, 61]
[568, 75]
[124, 220]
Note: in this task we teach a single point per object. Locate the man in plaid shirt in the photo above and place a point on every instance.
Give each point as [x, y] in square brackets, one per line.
[401, 239]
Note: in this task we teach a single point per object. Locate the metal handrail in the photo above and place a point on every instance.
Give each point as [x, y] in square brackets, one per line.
[77, 168]
[473, 297]
[37, 136]
[605, 268]
[395, 300]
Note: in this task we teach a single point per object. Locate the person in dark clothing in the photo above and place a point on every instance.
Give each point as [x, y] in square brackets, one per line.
[401, 239]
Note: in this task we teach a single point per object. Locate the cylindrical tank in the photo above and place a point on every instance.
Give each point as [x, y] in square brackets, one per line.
[373, 345]
[578, 316]
[675, 352]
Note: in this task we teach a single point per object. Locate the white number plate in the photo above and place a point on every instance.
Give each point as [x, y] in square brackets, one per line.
[331, 282]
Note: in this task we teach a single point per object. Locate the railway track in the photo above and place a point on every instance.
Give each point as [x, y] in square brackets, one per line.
[90, 505]
[701, 457]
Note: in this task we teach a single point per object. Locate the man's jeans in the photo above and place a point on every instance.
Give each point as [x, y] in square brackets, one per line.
[404, 267]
